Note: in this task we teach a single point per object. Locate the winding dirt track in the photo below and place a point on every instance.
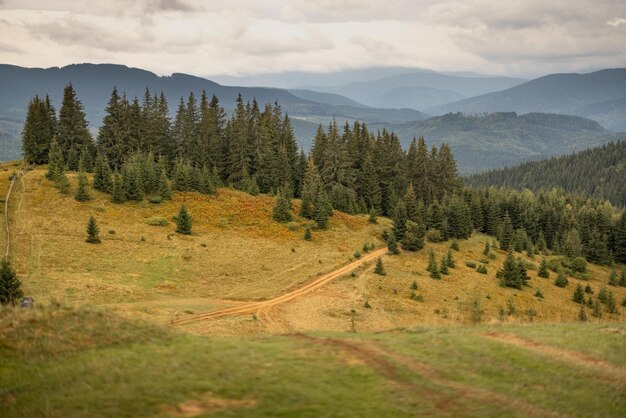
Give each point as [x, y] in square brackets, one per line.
[263, 307]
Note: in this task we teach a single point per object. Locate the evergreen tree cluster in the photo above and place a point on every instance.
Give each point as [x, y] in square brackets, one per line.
[598, 172]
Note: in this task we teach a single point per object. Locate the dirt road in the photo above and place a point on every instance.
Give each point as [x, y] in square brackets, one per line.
[262, 308]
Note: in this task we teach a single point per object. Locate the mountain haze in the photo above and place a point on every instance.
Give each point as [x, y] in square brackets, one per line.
[599, 95]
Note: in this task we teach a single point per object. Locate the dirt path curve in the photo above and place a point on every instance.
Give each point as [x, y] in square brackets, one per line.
[263, 307]
[449, 403]
[558, 353]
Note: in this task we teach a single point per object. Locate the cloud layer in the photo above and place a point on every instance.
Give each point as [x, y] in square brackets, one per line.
[517, 37]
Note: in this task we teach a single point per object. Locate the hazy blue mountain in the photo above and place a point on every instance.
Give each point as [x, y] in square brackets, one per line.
[293, 79]
[380, 92]
[502, 139]
[95, 82]
[600, 95]
[327, 98]
[415, 97]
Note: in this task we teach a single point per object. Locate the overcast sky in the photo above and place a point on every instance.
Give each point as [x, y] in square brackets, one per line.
[509, 37]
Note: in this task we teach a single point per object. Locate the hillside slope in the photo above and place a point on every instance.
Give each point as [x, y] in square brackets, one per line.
[598, 172]
[599, 95]
[143, 269]
[64, 361]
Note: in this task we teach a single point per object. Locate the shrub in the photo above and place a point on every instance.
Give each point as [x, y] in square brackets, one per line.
[476, 311]
[156, 221]
[454, 245]
[539, 294]
[357, 254]
[588, 289]
[582, 315]
[155, 199]
[482, 269]
[579, 295]
[367, 305]
[307, 234]
[561, 280]
[578, 264]
[433, 235]
[470, 264]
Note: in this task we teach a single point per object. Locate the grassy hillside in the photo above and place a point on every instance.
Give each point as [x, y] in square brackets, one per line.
[237, 253]
[61, 361]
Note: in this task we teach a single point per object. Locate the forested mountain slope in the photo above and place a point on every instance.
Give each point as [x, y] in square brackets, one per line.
[598, 172]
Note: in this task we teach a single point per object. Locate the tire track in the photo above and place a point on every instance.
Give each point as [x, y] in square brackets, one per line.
[263, 307]
[16, 176]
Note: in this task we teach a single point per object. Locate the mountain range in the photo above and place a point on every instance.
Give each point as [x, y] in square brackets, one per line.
[480, 141]
[600, 95]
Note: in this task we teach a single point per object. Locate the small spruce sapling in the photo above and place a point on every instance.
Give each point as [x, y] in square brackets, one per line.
[93, 232]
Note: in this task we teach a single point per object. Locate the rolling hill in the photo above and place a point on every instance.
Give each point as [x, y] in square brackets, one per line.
[598, 172]
[600, 95]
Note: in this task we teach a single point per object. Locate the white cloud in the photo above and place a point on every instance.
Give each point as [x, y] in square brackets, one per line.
[518, 37]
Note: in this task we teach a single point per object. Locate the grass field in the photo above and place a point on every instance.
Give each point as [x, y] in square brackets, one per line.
[63, 361]
[237, 253]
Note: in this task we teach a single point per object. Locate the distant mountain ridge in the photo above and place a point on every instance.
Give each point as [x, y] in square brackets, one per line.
[419, 89]
[600, 95]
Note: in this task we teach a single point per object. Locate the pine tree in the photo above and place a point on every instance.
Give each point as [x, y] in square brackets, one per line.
[611, 306]
[282, 208]
[399, 220]
[322, 210]
[487, 249]
[10, 285]
[82, 191]
[183, 221]
[613, 279]
[164, 190]
[620, 239]
[543, 269]
[118, 191]
[392, 245]
[432, 266]
[414, 236]
[373, 216]
[38, 131]
[444, 265]
[72, 133]
[93, 232]
[506, 236]
[307, 234]
[56, 163]
[579, 295]
[454, 245]
[380, 268]
[561, 280]
[102, 174]
[63, 183]
[582, 315]
[450, 260]
[510, 274]
[622, 278]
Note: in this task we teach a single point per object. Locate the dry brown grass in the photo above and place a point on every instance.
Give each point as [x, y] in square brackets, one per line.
[236, 251]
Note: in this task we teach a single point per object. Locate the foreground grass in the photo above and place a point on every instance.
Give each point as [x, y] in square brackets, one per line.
[62, 361]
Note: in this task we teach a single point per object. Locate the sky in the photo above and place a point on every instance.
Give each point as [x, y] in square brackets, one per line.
[243, 37]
